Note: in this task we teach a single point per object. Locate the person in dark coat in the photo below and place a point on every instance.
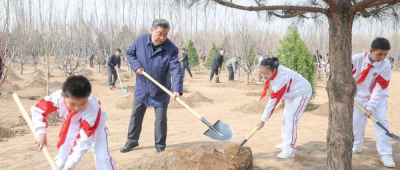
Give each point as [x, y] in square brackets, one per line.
[113, 61]
[158, 56]
[91, 60]
[185, 61]
[216, 64]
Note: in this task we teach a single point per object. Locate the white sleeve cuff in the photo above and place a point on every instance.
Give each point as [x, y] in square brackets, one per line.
[41, 130]
[69, 164]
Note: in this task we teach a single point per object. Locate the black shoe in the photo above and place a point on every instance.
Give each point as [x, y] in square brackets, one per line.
[160, 150]
[128, 147]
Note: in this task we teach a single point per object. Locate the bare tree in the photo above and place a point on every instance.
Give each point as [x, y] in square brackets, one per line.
[341, 85]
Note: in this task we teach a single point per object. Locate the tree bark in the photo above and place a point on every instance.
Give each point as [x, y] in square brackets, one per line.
[341, 88]
[21, 68]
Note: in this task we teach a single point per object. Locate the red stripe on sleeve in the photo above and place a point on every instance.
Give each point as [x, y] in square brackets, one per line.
[381, 81]
[87, 128]
[48, 107]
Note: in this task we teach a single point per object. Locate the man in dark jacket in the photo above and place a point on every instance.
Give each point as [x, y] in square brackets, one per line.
[217, 64]
[91, 60]
[185, 61]
[158, 56]
[113, 61]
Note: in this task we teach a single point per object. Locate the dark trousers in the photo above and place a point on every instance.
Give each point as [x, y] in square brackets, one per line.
[91, 62]
[231, 75]
[213, 71]
[135, 126]
[112, 76]
[188, 69]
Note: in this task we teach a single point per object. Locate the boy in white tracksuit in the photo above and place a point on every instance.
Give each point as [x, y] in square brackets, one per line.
[83, 124]
[372, 74]
[295, 90]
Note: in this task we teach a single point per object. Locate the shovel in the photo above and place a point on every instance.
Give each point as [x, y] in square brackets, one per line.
[220, 131]
[122, 89]
[33, 130]
[255, 129]
[393, 136]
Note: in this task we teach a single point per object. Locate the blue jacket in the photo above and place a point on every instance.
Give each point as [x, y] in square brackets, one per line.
[113, 60]
[161, 65]
[185, 60]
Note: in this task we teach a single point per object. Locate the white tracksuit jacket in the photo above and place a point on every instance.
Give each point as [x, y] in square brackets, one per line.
[372, 94]
[296, 91]
[86, 130]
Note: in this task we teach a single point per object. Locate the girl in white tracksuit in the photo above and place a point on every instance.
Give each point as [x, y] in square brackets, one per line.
[372, 74]
[83, 126]
[295, 90]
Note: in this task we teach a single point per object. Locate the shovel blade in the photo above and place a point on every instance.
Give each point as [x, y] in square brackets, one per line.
[123, 90]
[393, 136]
[226, 131]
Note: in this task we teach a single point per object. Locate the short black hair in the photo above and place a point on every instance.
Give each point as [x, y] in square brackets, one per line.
[221, 48]
[271, 63]
[380, 43]
[183, 49]
[77, 87]
[119, 50]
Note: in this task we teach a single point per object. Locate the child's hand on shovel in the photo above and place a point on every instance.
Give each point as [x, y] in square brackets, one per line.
[41, 140]
[368, 113]
[261, 125]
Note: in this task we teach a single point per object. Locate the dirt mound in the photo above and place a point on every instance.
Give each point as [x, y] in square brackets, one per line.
[253, 107]
[7, 95]
[56, 84]
[175, 105]
[253, 94]
[237, 157]
[323, 110]
[8, 86]
[37, 81]
[86, 73]
[130, 88]
[257, 107]
[13, 77]
[6, 133]
[198, 157]
[39, 73]
[197, 97]
[126, 103]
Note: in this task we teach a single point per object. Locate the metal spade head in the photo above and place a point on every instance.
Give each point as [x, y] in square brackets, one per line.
[393, 136]
[123, 90]
[226, 131]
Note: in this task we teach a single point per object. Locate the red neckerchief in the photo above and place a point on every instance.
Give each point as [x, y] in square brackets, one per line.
[65, 126]
[361, 77]
[266, 87]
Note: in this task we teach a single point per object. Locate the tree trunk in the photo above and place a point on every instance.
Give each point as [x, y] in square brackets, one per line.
[21, 68]
[35, 63]
[341, 89]
[247, 78]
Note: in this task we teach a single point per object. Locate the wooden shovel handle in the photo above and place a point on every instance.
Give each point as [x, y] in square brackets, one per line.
[171, 94]
[33, 130]
[363, 110]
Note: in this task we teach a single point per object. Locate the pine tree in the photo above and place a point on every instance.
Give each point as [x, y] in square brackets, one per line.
[294, 54]
[192, 53]
[213, 51]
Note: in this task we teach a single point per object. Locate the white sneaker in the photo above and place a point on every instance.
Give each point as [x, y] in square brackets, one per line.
[284, 155]
[279, 146]
[387, 161]
[357, 149]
